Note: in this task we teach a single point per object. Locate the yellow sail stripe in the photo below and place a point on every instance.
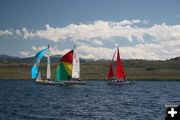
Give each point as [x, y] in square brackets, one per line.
[68, 67]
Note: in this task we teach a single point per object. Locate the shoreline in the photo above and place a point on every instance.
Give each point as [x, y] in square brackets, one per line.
[153, 79]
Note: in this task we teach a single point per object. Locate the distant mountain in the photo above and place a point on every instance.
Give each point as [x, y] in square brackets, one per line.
[54, 59]
[175, 59]
[6, 56]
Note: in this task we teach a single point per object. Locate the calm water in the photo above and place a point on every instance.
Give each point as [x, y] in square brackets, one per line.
[145, 100]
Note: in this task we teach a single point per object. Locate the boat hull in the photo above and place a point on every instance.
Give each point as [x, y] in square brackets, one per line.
[48, 82]
[69, 82]
[120, 82]
[74, 82]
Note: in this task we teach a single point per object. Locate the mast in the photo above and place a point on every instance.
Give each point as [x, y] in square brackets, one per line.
[119, 69]
[48, 72]
[75, 65]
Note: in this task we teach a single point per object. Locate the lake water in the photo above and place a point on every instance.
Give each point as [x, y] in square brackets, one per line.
[144, 100]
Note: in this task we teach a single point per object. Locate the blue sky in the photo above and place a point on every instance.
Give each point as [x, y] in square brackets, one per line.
[143, 29]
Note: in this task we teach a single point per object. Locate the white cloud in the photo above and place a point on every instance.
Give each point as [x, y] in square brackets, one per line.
[151, 51]
[25, 53]
[97, 42]
[101, 30]
[54, 51]
[35, 49]
[86, 51]
[129, 22]
[4, 33]
[88, 56]
[163, 40]
[116, 44]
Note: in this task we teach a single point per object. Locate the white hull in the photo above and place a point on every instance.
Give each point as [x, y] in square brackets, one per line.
[69, 82]
[48, 82]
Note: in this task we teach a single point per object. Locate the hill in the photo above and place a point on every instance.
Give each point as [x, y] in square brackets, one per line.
[20, 68]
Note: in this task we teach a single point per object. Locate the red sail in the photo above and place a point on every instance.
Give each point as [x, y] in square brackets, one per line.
[68, 57]
[119, 69]
[110, 72]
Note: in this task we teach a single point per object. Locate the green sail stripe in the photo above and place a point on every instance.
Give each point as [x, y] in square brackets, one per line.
[61, 73]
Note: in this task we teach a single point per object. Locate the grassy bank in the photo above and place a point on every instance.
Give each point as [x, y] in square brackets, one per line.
[96, 70]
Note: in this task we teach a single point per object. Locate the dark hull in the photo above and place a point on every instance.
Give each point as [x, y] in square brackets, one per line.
[120, 82]
[74, 82]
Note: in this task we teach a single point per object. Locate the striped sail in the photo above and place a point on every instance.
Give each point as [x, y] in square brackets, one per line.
[64, 68]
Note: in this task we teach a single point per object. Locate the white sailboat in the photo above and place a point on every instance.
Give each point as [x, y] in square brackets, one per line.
[68, 71]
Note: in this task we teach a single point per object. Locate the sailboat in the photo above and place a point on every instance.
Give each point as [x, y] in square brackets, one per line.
[67, 73]
[120, 78]
[68, 69]
[35, 72]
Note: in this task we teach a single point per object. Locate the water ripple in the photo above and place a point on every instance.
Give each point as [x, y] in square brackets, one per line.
[145, 100]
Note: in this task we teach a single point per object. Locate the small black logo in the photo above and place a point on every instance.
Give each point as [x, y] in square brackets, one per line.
[172, 112]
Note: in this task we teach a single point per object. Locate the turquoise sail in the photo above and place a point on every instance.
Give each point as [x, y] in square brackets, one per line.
[35, 68]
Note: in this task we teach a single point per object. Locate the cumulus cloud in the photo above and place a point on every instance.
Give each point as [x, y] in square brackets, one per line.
[101, 31]
[35, 49]
[4, 33]
[32, 52]
[97, 42]
[159, 41]
[151, 51]
[25, 53]
[129, 22]
[86, 51]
